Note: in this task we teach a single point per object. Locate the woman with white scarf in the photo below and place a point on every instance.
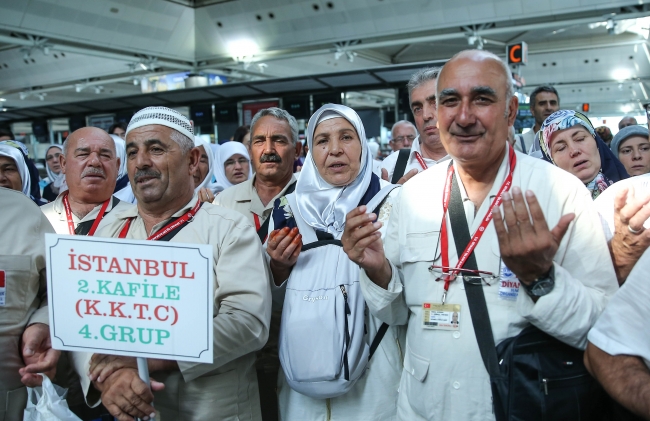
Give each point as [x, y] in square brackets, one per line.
[233, 165]
[54, 174]
[14, 173]
[204, 187]
[336, 177]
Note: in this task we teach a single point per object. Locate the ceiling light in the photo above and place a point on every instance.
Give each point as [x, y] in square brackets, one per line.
[621, 74]
[627, 108]
[611, 26]
[3, 99]
[42, 96]
[23, 95]
[242, 48]
[144, 67]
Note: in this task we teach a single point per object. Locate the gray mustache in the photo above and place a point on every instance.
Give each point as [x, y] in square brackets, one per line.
[146, 173]
[270, 158]
[92, 171]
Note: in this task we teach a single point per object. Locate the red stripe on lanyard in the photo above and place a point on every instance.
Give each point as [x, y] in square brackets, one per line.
[68, 214]
[444, 237]
[421, 160]
[167, 228]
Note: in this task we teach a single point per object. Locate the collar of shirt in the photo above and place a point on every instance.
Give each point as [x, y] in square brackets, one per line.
[472, 215]
[415, 147]
[132, 212]
[257, 207]
[58, 208]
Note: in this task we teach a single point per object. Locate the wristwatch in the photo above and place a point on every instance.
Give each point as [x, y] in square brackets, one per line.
[542, 285]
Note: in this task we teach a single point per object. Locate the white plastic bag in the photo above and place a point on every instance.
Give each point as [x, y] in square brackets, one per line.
[47, 403]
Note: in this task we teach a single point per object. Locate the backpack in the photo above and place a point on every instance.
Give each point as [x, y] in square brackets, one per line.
[322, 344]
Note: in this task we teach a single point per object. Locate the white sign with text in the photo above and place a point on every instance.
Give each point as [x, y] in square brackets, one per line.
[134, 298]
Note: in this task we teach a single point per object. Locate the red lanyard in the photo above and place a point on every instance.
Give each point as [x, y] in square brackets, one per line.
[257, 222]
[444, 238]
[167, 228]
[258, 225]
[68, 214]
[423, 164]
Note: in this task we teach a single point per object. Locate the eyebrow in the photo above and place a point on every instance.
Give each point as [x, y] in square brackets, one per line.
[146, 143]
[484, 90]
[448, 92]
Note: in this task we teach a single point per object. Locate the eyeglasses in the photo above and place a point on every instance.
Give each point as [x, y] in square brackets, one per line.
[471, 276]
[401, 139]
[240, 161]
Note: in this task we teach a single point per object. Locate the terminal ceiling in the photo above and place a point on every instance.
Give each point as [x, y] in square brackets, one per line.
[55, 52]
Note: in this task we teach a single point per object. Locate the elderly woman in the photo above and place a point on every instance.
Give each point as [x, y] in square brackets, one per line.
[632, 147]
[336, 178]
[55, 176]
[233, 165]
[203, 185]
[568, 140]
[14, 173]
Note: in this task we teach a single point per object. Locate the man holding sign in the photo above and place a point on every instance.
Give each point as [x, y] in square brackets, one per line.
[161, 161]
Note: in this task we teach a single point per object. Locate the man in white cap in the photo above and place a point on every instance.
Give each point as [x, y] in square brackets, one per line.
[161, 162]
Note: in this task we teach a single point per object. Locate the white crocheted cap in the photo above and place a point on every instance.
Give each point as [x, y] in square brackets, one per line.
[163, 116]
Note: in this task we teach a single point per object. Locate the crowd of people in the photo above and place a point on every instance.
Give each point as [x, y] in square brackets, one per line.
[339, 293]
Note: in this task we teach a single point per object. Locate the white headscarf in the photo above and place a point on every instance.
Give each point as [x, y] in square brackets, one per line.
[14, 153]
[207, 181]
[120, 150]
[56, 179]
[224, 153]
[320, 204]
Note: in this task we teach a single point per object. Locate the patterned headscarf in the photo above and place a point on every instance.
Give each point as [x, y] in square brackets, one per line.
[611, 170]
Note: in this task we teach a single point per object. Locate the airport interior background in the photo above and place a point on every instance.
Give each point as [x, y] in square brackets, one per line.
[66, 64]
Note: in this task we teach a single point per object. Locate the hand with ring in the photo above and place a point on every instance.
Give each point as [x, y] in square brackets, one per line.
[630, 239]
[205, 195]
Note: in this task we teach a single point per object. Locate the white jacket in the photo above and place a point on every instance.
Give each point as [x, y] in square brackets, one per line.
[444, 377]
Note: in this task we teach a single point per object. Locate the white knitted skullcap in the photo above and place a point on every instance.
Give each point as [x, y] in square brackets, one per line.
[163, 116]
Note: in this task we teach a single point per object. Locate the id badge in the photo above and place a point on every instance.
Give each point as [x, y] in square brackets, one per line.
[3, 288]
[508, 284]
[441, 316]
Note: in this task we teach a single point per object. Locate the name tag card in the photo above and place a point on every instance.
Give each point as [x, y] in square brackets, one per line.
[441, 316]
[134, 298]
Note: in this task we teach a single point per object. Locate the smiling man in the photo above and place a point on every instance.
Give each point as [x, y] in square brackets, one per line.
[533, 266]
[426, 149]
[161, 159]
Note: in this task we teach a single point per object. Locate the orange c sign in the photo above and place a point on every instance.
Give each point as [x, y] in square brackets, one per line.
[512, 56]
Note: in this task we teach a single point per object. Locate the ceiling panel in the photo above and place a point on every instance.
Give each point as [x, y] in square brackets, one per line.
[350, 80]
[291, 86]
[234, 91]
[188, 96]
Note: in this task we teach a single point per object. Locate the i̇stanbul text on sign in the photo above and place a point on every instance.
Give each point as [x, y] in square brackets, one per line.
[130, 297]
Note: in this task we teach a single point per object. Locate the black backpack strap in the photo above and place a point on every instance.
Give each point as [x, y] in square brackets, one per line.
[264, 228]
[523, 143]
[475, 295]
[378, 337]
[400, 165]
[83, 228]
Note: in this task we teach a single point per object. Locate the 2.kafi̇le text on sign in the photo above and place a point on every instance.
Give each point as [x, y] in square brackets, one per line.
[141, 311]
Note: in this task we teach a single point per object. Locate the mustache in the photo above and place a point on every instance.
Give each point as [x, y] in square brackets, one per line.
[145, 173]
[93, 171]
[271, 157]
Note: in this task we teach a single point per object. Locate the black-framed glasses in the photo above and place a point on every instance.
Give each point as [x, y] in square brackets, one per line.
[471, 276]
